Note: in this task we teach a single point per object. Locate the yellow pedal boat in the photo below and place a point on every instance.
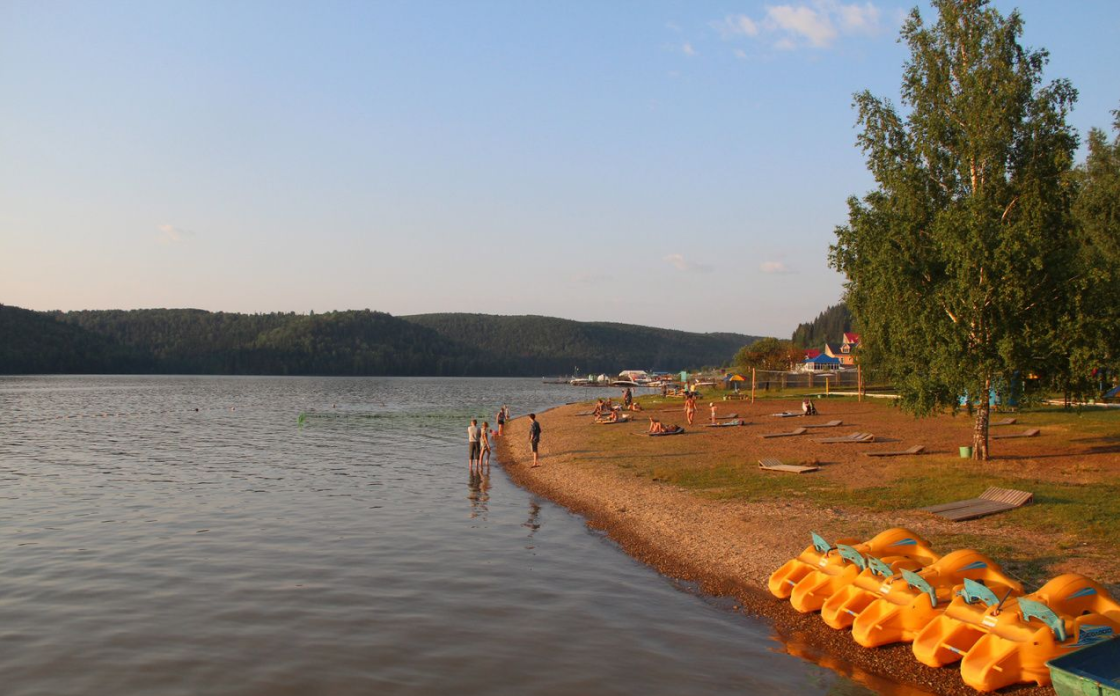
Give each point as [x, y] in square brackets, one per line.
[910, 604]
[873, 582]
[1068, 613]
[814, 584]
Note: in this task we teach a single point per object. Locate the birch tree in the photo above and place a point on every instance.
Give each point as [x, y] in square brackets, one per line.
[956, 262]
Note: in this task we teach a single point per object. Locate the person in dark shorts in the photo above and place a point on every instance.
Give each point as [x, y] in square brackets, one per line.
[473, 448]
[534, 436]
[501, 420]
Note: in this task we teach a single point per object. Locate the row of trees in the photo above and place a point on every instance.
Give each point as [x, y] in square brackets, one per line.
[982, 248]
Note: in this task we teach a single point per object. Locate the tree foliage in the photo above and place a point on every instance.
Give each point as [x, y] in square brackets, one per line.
[958, 263]
[768, 354]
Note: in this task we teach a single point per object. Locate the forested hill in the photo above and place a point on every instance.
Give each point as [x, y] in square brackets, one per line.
[547, 345]
[189, 341]
[830, 325]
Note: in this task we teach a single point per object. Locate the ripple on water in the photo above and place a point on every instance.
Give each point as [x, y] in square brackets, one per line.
[151, 548]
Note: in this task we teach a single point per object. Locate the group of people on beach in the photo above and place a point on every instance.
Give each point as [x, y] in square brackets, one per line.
[478, 438]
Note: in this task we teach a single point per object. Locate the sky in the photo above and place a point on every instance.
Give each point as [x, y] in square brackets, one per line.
[676, 164]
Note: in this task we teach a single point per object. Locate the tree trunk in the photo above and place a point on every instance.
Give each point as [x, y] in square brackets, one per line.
[980, 432]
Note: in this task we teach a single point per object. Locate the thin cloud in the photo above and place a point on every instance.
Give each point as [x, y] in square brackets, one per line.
[688, 50]
[169, 234]
[735, 25]
[774, 267]
[804, 22]
[679, 262]
[816, 24]
[740, 53]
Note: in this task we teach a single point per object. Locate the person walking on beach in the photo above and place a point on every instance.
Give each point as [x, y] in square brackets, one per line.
[534, 437]
[484, 441]
[501, 420]
[472, 442]
[690, 408]
[712, 406]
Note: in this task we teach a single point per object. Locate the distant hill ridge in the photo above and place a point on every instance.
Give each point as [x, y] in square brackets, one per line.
[353, 342]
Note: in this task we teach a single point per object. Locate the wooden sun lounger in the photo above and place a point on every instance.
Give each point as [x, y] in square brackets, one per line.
[776, 465]
[830, 424]
[729, 416]
[1007, 436]
[990, 502]
[728, 424]
[1005, 421]
[854, 437]
[795, 431]
[621, 419]
[785, 414]
[916, 449]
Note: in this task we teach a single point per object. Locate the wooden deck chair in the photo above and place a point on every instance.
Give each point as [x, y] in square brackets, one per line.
[728, 424]
[776, 465]
[830, 424]
[916, 449]
[854, 437]
[795, 431]
[990, 502]
[1005, 421]
[1007, 436]
[729, 416]
[785, 414]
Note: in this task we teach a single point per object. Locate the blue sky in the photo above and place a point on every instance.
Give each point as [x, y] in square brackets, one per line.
[678, 164]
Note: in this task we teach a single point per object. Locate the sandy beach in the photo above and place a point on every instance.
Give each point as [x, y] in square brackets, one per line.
[730, 547]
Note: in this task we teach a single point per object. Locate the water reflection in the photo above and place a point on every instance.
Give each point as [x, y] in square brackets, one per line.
[478, 486]
[533, 523]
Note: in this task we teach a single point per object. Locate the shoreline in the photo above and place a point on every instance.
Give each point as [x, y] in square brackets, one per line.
[727, 548]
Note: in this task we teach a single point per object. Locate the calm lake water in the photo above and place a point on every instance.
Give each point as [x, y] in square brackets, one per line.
[179, 535]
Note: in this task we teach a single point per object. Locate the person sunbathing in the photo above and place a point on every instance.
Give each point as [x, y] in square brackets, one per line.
[657, 427]
[599, 408]
[635, 406]
[612, 417]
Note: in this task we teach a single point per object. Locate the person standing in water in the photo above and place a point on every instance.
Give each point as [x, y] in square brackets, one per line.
[473, 435]
[534, 437]
[501, 418]
[484, 441]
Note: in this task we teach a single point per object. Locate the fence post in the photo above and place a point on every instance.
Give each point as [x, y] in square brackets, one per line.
[752, 385]
[859, 381]
[827, 382]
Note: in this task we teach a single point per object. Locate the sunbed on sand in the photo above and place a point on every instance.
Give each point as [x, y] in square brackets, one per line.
[785, 414]
[990, 502]
[795, 431]
[830, 424]
[854, 437]
[728, 424]
[916, 449]
[776, 465]
[728, 416]
[1007, 436]
[1005, 421]
[677, 430]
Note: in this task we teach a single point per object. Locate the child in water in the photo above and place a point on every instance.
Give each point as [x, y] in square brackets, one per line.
[484, 439]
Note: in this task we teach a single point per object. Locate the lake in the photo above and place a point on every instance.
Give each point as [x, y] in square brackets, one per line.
[186, 535]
